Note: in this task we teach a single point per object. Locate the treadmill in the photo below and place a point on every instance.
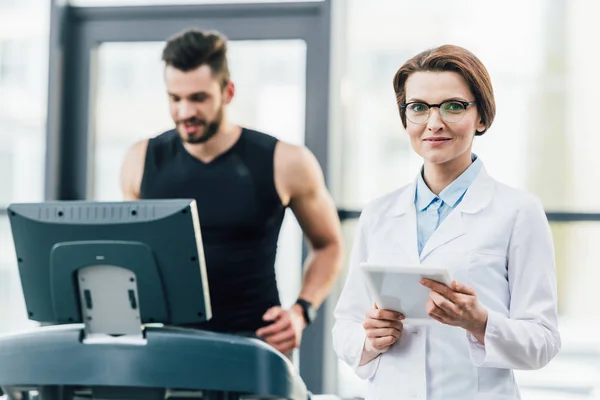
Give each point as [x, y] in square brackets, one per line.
[111, 284]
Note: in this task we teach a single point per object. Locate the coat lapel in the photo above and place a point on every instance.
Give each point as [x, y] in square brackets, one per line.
[451, 228]
[402, 216]
[477, 197]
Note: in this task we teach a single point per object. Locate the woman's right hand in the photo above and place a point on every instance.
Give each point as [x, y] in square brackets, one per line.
[384, 328]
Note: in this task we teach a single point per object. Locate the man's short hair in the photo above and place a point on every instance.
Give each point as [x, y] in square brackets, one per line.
[193, 48]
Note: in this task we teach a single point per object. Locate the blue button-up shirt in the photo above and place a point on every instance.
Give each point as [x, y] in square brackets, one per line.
[432, 209]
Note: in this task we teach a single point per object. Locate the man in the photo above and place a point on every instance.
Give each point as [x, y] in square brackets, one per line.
[242, 181]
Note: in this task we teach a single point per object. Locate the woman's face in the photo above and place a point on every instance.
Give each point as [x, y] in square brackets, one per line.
[439, 141]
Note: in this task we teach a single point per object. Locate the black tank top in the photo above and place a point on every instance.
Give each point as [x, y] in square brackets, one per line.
[240, 217]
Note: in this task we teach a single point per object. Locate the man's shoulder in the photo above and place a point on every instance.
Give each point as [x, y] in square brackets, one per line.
[260, 139]
[165, 137]
[137, 152]
[297, 170]
[295, 158]
[163, 145]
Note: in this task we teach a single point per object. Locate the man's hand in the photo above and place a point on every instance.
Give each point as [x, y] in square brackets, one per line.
[285, 333]
[456, 306]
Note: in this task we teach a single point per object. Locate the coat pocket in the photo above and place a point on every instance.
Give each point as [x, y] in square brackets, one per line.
[491, 396]
[496, 384]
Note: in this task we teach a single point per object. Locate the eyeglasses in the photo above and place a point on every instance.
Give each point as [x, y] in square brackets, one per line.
[451, 110]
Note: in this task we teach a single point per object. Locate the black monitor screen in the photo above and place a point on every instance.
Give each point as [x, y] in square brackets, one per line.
[157, 243]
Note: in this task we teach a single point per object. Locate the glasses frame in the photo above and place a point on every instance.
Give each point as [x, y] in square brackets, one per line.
[465, 104]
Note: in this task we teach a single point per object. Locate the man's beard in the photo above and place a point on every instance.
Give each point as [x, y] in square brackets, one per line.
[209, 129]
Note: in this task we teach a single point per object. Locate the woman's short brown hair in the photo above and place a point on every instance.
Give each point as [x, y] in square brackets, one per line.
[456, 59]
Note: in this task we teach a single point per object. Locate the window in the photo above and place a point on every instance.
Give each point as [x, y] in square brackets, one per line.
[13, 68]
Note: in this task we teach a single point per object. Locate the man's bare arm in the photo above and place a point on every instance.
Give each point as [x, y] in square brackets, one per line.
[132, 170]
[300, 182]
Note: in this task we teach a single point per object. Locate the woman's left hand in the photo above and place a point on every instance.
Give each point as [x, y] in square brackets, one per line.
[457, 306]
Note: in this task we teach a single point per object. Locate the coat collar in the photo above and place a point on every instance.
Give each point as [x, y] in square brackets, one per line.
[477, 198]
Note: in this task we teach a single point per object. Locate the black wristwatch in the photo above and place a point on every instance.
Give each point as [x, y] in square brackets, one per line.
[308, 311]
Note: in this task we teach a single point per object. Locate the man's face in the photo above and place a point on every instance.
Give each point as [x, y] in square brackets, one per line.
[197, 102]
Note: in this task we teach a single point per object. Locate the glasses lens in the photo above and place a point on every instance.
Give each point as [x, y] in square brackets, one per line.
[452, 111]
[417, 113]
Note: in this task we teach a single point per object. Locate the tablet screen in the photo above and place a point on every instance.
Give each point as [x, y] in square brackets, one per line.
[398, 288]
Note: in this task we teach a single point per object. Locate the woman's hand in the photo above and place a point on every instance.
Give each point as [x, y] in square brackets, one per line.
[384, 328]
[457, 306]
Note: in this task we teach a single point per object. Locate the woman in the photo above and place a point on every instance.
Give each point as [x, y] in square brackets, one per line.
[500, 313]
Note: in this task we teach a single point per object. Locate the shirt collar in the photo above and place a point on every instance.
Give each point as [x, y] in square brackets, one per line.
[424, 196]
[452, 193]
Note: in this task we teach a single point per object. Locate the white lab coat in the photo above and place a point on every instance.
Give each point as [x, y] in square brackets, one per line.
[497, 241]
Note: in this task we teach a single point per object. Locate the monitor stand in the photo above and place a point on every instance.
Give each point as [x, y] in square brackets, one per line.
[109, 302]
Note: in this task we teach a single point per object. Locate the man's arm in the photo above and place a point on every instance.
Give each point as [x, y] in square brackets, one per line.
[132, 170]
[299, 179]
[300, 184]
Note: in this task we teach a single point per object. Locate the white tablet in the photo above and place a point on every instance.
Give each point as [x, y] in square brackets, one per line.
[397, 288]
